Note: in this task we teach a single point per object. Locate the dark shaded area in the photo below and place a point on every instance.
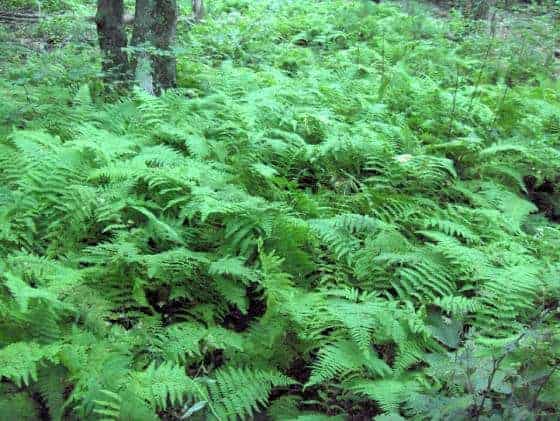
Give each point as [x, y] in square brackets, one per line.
[299, 370]
[545, 196]
[240, 322]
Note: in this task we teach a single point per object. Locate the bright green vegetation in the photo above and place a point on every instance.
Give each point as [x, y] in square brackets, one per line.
[332, 217]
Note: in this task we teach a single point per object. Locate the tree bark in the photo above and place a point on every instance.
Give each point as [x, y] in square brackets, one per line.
[142, 41]
[165, 29]
[155, 25]
[476, 9]
[112, 41]
[198, 10]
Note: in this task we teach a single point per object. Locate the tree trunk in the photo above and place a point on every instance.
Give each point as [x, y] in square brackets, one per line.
[142, 41]
[198, 10]
[112, 41]
[155, 24]
[476, 9]
[165, 29]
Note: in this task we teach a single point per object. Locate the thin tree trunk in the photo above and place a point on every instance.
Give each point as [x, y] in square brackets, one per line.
[165, 29]
[142, 41]
[198, 10]
[112, 40]
[155, 26]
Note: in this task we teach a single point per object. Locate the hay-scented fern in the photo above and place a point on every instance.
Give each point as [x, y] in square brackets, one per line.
[331, 218]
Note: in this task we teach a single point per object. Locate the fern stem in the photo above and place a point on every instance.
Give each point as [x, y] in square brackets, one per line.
[452, 115]
[506, 89]
[481, 70]
[499, 106]
[383, 57]
[208, 401]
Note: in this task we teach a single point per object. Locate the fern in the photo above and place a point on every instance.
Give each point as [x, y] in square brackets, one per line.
[20, 361]
[458, 306]
[241, 391]
[388, 393]
[508, 293]
[342, 358]
[51, 386]
[341, 212]
[163, 385]
[180, 341]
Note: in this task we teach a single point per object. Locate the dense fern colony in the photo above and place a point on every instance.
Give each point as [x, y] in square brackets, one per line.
[333, 217]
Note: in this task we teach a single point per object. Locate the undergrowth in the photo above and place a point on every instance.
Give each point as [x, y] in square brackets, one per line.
[343, 211]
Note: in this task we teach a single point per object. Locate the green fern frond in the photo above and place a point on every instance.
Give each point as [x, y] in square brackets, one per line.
[23, 293]
[19, 362]
[163, 385]
[507, 297]
[240, 392]
[19, 406]
[179, 341]
[454, 229]
[458, 306]
[389, 394]
[344, 357]
[232, 266]
[51, 383]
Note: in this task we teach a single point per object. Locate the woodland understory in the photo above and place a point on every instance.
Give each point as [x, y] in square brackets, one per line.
[335, 210]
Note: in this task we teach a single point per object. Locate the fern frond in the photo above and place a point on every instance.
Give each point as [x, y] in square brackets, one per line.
[341, 358]
[458, 306]
[179, 341]
[507, 297]
[19, 362]
[389, 394]
[237, 392]
[163, 385]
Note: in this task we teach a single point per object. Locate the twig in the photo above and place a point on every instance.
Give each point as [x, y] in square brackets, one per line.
[19, 17]
[542, 385]
[509, 348]
[506, 89]
[470, 386]
[495, 366]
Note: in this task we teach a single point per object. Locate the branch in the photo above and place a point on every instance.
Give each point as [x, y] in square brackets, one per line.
[496, 362]
[495, 366]
[542, 385]
[19, 17]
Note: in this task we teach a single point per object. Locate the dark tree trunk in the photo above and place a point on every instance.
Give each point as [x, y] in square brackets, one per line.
[165, 63]
[112, 40]
[153, 63]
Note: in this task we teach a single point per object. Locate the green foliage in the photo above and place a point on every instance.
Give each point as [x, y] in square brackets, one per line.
[343, 211]
[239, 392]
